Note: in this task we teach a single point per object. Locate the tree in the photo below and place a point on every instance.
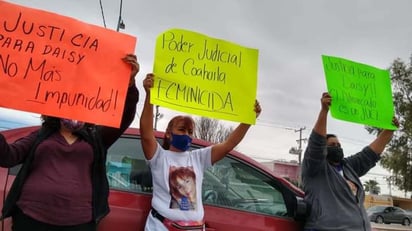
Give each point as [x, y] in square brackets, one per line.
[211, 130]
[372, 187]
[397, 157]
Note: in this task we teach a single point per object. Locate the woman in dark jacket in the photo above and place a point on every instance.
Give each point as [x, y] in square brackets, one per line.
[62, 184]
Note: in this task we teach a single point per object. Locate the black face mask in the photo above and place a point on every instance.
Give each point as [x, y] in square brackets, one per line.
[335, 154]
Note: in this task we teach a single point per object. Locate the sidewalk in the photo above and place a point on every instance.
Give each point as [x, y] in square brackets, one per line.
[383, 227]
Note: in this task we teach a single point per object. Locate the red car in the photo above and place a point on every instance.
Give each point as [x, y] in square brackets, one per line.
[238, 192]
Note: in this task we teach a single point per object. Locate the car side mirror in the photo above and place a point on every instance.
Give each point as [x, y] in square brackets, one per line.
[301, 210]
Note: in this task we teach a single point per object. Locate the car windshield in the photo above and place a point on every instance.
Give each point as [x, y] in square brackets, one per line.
[375, 209]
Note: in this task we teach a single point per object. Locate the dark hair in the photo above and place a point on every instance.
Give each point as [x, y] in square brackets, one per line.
[188, 123]
[50, 122]
[330, 136]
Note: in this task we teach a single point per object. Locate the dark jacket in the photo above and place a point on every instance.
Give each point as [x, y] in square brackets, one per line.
[100, 137]
[333, 205]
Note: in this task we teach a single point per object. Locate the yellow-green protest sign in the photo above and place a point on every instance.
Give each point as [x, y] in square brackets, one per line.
[360, 93]
[200, 75]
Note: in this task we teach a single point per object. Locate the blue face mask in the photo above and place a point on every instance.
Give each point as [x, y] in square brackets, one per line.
[181, 142]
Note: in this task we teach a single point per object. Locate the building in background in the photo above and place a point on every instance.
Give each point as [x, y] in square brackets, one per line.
[404, 203]
[286, 169]
[374, 199]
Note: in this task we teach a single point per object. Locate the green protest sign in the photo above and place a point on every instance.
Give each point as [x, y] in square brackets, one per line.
[360, 93]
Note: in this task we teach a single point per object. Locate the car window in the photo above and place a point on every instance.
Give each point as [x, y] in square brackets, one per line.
[376, 209]
[126, 166]
[234, 184]
[397, 210]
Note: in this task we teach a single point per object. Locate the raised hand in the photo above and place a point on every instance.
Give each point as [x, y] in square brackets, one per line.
[132, 60]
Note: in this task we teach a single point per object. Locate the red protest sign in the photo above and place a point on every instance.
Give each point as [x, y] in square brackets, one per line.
[56, 65]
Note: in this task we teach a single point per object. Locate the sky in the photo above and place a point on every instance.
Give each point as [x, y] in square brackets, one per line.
[291, 36]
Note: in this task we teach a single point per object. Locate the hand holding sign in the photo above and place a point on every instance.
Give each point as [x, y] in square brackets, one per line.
[135, 67]
[360, 93]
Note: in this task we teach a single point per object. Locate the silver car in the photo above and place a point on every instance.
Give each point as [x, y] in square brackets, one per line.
[389, 214]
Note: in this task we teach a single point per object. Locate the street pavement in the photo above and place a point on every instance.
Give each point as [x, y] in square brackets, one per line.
[390, 227]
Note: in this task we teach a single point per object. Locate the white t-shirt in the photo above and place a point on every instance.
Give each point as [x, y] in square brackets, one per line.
[177, 183]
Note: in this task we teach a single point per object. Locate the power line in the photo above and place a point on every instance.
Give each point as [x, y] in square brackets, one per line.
[377, 174]
[354, 141]
[101, 10]
[268, 123]
[120, 23]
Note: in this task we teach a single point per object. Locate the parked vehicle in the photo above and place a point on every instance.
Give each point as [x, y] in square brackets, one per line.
[238, 192]
[389, 214]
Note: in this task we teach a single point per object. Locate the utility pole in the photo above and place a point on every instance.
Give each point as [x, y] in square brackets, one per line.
[120, 23]
[300, 144]
[298, 151]
[390, 179]
[157, 117]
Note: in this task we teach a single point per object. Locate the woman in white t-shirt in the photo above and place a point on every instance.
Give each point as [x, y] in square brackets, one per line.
[177, 172]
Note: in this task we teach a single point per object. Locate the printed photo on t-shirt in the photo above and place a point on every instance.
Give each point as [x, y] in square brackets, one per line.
[182, 183]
